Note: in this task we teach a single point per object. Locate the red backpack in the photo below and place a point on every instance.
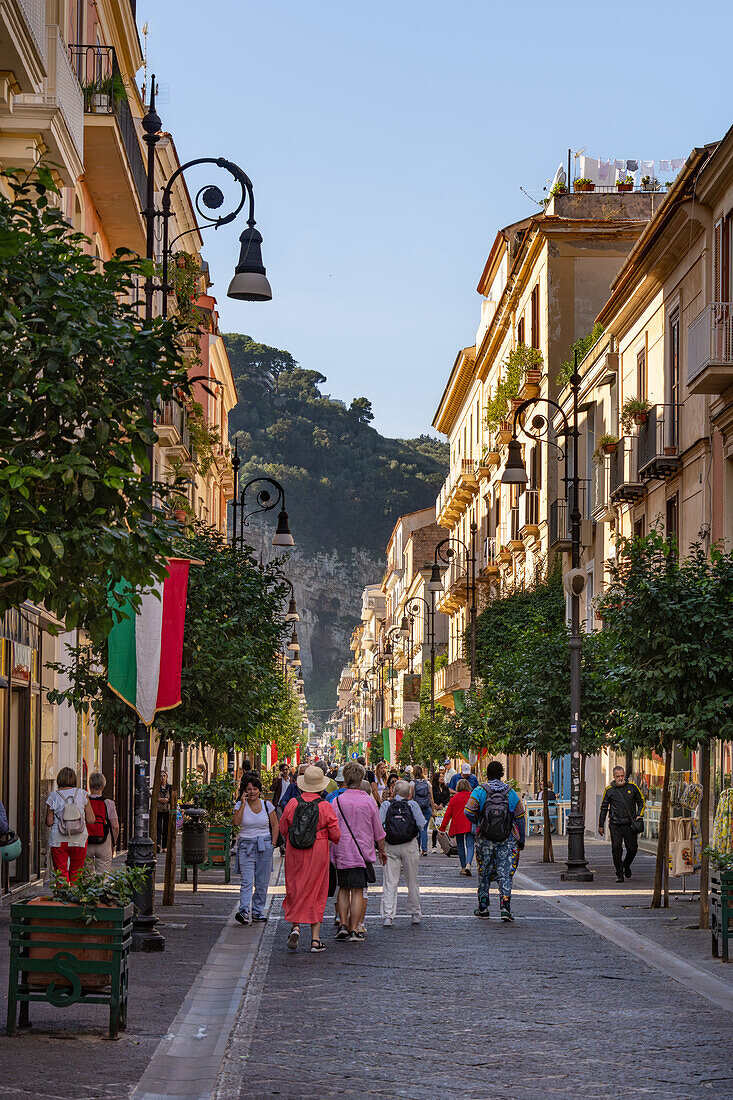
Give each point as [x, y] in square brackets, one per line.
[100, 829]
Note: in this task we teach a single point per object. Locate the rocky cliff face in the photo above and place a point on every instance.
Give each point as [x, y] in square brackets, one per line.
[328, 590]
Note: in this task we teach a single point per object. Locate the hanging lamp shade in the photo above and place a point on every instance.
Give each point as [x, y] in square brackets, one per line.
[283, 536]
[514, 471]
[250, 282]
[435, 584]
[292, 615]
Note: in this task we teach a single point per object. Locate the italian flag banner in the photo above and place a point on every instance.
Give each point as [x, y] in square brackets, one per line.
[389, 745]
[146, 649]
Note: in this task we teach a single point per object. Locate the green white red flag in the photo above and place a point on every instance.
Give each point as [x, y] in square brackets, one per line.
[145, 650]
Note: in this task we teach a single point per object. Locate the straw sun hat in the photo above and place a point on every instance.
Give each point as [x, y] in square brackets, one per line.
[312, 780]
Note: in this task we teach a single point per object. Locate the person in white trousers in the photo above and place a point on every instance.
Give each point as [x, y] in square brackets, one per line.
[401, 857]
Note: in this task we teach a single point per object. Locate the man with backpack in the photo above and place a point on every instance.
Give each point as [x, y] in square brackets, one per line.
[402, 820]
[499, 815]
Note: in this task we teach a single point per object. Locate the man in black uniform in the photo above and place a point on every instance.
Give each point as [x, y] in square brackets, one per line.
[625, 802]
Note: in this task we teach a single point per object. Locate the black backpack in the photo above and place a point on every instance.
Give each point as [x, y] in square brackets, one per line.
[399, 823]
[422, 796]
[496, 819]
[304, 826]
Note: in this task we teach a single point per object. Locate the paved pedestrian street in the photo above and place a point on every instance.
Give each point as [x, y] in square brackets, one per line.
[543, 1007]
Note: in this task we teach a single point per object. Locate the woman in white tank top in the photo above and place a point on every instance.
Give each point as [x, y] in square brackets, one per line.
[256, 822]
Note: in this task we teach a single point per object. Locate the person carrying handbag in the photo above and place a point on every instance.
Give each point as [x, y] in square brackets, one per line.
[623, 804]
[354, 856]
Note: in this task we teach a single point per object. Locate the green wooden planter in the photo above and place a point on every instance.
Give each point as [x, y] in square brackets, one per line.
[56, 957]
[721, 912]
[220, 848]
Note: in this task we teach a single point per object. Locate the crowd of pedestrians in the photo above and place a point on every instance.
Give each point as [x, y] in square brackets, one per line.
[333, 823]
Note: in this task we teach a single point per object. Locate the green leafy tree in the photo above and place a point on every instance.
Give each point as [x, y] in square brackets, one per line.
[81, 371]
[672, 627]
[522, 702]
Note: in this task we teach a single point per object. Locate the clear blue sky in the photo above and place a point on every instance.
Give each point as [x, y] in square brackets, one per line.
[387, 143]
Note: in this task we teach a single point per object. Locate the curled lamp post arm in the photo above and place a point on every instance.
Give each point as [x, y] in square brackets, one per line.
[539, 422]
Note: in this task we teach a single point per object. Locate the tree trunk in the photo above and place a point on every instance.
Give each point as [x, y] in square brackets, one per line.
[169, 887]
[663, 839]
[155, 793]
[548, 856]
[704, 833]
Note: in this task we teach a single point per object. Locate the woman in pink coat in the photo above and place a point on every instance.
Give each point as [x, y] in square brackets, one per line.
[306, 869]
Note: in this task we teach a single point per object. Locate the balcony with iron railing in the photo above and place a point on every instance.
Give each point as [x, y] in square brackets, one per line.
[23, 42]
[710, 349]
[625, 485]
[55, 114]
[529, 513]
[488, 560]
[600, 490]
[458, 489]
[171, 426]
[659, 443]
[113, 156]
[561, 509]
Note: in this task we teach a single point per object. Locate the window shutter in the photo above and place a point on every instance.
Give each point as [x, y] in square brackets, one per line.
[718, 261]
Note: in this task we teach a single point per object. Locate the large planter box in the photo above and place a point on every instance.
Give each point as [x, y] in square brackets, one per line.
[57, 957]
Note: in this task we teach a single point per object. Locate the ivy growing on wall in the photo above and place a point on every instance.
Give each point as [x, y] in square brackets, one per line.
[516, 364]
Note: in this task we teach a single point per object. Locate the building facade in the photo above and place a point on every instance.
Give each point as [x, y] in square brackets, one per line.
[69, 94]
[667, 348]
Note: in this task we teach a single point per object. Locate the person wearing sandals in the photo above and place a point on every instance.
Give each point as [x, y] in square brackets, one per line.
[258, 832]
[355, 855]
[307, 864]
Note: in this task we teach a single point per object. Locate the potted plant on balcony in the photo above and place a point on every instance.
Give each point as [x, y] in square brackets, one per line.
[584, 184]
[635, 411]
[606, 445]
[181, 508]
[649, 183]
[625, 183]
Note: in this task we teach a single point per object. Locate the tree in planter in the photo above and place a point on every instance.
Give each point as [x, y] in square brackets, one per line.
[82, 371]
[672, 630]
[230, 686]
[523, 702]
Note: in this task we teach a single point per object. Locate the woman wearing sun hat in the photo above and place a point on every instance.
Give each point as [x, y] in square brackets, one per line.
[306, 868]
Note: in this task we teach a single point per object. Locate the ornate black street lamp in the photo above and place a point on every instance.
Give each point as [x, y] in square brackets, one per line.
[445, 551]
[268, 497]
[249, 284]
[412, 608]
[516, 474]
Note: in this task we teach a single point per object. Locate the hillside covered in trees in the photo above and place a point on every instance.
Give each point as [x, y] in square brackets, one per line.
[346, 484]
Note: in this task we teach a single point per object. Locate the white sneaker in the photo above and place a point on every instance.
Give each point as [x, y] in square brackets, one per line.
[415, 918]
[387, 922]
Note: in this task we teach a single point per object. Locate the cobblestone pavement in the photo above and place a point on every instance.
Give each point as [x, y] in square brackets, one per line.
[480, 1010]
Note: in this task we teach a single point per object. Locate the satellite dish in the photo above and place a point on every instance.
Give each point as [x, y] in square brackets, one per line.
[559, 178]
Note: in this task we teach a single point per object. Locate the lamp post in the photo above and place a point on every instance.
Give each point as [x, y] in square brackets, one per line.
[413, 609]
[445, 551]
[516, 474]
[249, 284]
